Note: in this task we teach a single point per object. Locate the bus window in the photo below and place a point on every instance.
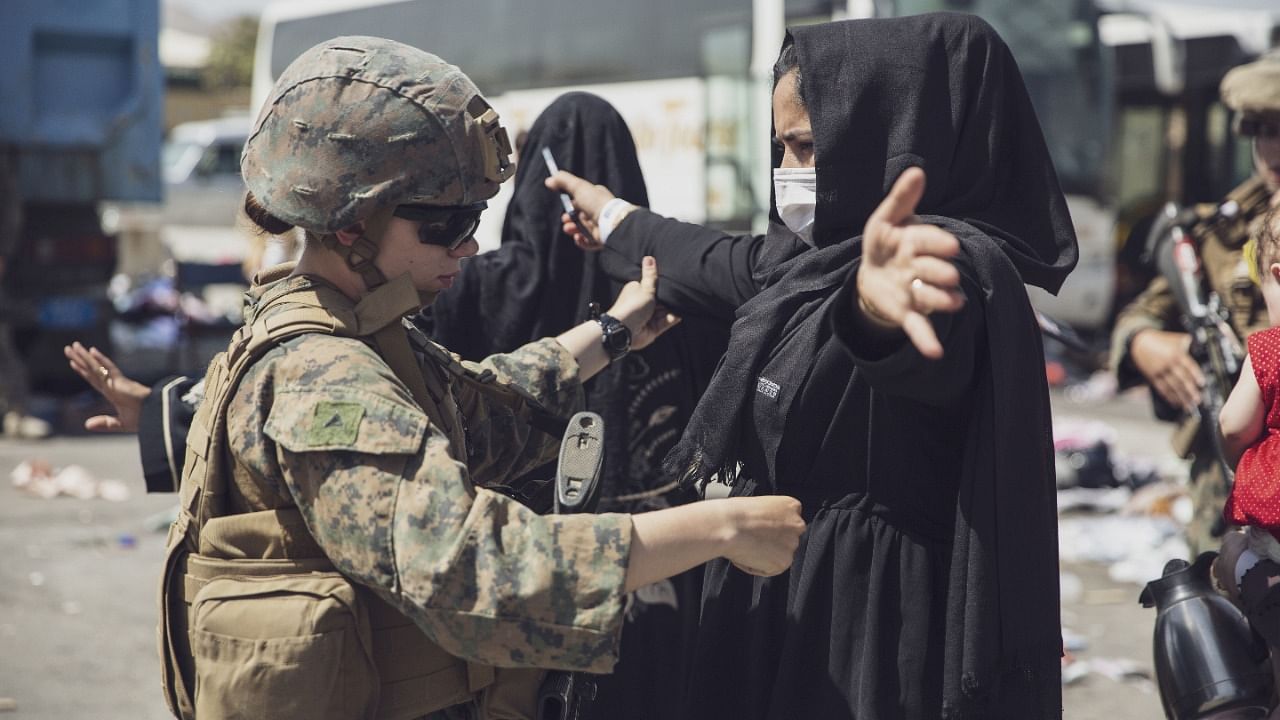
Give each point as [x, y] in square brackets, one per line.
[1057, 48]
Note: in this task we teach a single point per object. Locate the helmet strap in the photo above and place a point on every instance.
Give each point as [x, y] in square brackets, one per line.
[361, 253]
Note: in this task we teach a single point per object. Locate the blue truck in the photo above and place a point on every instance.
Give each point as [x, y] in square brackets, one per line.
[80, 124]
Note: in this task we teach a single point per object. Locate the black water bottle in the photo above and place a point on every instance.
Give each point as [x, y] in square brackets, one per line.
[1209, 663]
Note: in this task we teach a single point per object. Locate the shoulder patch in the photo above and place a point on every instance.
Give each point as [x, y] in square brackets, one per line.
[335, 423]
[342, 418]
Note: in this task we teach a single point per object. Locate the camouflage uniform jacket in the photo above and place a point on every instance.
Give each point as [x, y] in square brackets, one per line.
[1224, 269]
[321, 422]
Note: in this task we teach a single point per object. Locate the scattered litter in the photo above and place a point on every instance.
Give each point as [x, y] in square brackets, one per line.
[1099, 387]
[1085, 457]
[1073, 671]
[36, 578]
[39, 479]
[1134, 547]
[1070, 588]
[1073, 641]
[1123, 670]
[1119, 669]
[1161, 499]
[126, 541]
[1106, 500]
[113, 490]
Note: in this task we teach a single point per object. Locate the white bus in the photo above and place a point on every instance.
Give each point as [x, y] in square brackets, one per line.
[691, 78]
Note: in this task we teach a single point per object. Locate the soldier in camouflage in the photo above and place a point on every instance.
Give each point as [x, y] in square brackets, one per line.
[1149, 345]
[384, 155]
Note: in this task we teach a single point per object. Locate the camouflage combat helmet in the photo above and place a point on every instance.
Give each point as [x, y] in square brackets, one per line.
[1254, 87]
[361, 124]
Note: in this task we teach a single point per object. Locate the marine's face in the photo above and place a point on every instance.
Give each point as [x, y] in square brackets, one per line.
[1266, 148]
[791, 125]
[432, 267]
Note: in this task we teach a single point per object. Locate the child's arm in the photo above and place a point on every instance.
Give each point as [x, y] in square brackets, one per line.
[1242, 414]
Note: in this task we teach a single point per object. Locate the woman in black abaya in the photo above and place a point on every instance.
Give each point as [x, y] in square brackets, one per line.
[891, 378]
[535, 284]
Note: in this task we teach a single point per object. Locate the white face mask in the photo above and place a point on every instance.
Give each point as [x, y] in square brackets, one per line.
[795, 191]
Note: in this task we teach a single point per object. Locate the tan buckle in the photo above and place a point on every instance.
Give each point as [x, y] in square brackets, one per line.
[497, 151]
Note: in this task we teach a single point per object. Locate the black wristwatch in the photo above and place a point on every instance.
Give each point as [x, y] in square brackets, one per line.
[615, 336]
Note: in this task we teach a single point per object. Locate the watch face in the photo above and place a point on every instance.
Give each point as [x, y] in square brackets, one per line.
[617, 338]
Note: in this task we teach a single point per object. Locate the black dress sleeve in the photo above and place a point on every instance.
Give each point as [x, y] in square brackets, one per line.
[894, 366]
[162, 432]
[703, 271]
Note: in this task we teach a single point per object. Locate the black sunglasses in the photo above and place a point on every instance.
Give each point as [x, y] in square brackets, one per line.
[1258, 127]
[445, 225]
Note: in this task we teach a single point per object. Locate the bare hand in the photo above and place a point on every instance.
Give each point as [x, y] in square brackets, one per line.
[905, 273]
[637, 307]
[124, 393]
[588, 199]
[767, 533]
[1164, 359]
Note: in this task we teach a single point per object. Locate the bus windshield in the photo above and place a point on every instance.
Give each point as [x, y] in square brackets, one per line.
[508, 45]
[1057, 47]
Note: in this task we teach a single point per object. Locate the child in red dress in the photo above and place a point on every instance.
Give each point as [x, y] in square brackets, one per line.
[1250, 425]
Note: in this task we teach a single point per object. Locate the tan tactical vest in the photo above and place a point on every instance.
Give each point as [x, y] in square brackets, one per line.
[255, 621]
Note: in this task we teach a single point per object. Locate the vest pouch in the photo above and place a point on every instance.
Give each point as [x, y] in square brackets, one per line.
[175, 652]
[513, 694]
[283, 646]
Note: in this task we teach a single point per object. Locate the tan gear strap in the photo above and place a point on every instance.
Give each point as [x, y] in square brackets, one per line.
[359, 256]
[497, 144]
[1252, 199]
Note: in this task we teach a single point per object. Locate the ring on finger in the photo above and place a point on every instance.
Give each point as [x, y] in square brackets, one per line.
[916, 285]
[104, 372]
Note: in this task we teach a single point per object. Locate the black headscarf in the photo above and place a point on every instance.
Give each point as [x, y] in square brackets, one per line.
[942, 92]
[537, 284]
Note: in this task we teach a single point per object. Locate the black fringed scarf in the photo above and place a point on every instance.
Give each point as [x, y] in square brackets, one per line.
[942, 92]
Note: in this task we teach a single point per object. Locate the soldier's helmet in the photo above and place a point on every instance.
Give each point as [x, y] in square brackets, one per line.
[1254, 88]
[355, 125]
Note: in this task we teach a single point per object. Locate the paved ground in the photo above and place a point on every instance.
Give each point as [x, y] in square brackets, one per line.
[77, 584]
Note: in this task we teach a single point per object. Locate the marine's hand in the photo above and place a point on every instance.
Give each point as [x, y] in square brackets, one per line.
[766, 533]
[1164, 359]
[637, 307]
[588, 199]
[905, 273]
[123, 392]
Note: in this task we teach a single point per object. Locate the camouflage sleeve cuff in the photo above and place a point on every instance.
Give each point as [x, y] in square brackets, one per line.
[545, 370]
[1121, 363]
[527, 590]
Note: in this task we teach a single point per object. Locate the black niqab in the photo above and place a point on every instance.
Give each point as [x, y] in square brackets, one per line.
[942, 92]
[537, 284]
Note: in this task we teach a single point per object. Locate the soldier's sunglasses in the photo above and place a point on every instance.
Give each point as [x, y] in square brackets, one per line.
[445, 225]
[1258, 127]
